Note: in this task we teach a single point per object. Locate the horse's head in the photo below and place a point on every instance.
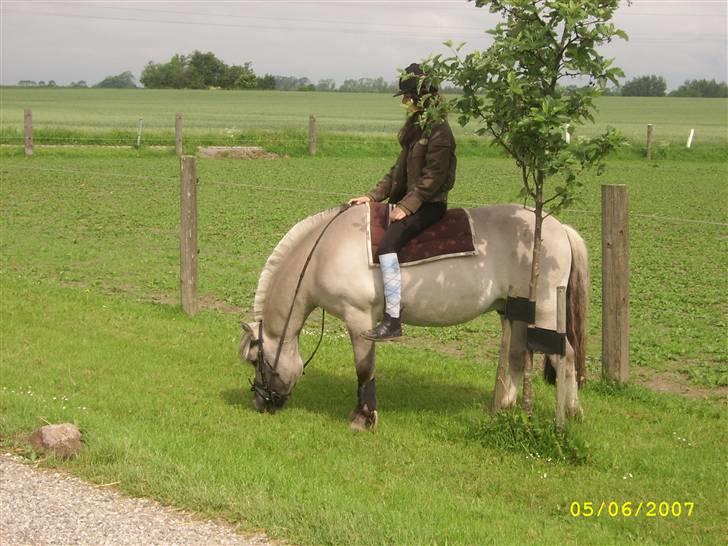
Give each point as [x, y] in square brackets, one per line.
[274, 377]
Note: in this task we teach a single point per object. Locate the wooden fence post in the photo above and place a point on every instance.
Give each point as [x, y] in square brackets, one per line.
[178, 133]
[560, 370]
[188, 234]
[28, 122]
[615, 283]
[649, 142]
[312, 134]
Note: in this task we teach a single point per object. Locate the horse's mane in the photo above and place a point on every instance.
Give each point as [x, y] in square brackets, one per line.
[291, 240]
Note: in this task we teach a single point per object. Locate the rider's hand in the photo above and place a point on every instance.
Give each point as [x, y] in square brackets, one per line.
[397, 214]
[359, 200]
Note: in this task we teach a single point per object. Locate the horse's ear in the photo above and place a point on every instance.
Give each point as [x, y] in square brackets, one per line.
[250, 332]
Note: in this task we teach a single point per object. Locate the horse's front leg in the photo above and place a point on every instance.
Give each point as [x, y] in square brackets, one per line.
[364, 415]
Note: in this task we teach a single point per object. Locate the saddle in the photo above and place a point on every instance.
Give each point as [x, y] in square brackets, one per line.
[450, 237]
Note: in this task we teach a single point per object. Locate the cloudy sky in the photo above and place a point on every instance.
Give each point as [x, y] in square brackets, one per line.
[69, 41]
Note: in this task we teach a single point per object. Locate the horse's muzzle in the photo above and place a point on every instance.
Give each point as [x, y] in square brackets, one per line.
[270, 406]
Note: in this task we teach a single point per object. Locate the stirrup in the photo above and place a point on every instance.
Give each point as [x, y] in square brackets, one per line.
[389, 329]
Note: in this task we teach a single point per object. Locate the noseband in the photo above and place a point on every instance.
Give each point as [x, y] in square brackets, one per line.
[264, 371]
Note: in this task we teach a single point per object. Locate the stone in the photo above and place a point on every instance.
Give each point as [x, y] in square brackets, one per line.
[62, 440]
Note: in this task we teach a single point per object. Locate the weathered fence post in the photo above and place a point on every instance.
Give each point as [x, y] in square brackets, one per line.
[312, 134]
[28, 123]
[649, 142]
[178, 133]
[615, 283]
[560, 370]
[139, 133]
[188, 234]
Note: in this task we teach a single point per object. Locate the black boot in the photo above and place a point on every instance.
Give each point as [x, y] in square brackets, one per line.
[389, 328]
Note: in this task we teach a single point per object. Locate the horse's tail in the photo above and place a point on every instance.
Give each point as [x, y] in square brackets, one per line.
[577, 303]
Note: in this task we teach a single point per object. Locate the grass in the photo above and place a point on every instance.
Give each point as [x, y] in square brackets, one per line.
[159, 399]
[112, 226]
[91, 333]
[279, 120]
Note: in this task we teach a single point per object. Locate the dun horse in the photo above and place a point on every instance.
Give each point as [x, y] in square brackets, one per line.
[323, 261]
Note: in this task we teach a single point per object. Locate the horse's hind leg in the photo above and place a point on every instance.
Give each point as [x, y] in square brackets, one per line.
[364, 416]
[507, 394]
[567, 394]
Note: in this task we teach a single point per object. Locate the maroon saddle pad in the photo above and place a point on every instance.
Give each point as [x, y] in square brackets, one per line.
[449, 237]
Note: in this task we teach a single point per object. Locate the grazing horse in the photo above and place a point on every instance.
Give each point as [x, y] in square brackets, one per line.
[323, 261]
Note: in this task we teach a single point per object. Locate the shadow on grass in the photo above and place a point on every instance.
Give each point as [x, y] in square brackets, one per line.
[335, 395]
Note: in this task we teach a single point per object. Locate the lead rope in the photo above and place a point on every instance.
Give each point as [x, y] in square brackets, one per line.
[321, 338]
[298, 287]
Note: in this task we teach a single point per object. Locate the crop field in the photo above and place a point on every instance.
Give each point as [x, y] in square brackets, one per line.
[91, 333]
[280, 119]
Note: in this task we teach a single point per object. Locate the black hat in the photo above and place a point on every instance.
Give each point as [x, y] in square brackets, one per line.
[408, 85]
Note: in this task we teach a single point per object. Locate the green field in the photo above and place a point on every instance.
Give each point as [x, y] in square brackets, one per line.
[251, 117]
[91, 333]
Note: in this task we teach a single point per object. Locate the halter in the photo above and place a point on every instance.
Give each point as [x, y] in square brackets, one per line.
[263, 370]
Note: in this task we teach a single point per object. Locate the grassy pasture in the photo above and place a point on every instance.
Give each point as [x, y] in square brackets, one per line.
[91, 334]
[279, 120]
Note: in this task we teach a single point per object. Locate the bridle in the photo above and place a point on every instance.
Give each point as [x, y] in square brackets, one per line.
[264, 372]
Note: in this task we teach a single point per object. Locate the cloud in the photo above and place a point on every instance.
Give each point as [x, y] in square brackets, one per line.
[68, 41]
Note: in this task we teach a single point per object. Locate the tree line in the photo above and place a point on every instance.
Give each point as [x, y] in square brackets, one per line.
[200, 70]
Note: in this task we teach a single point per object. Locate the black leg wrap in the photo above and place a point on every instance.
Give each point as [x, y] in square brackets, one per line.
[521, 309]
[545, 341]
[368, 395]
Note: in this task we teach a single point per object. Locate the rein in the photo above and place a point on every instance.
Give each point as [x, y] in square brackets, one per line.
[263, 388]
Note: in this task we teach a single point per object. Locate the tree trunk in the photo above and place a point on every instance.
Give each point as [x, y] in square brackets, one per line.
[532, 288]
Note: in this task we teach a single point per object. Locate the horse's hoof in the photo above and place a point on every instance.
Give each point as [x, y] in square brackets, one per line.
[576, 413]
[362, 423]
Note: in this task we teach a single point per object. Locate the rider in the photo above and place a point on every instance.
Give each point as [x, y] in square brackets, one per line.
[417, 184]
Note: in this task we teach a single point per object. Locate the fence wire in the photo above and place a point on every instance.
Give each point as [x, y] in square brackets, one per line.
[274, 189]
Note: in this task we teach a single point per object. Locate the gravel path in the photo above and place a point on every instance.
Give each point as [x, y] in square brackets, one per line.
[41, 507]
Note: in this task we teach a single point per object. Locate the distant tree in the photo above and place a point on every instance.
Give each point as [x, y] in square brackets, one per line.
[266, 82]
[239, 77]
[326, 85]
[197, 71]
[205, 70]
[41, 83]
[309, 87]
[125, 80]
[368, 85]
[80, 83]
[645, 86]
[27, 83]
[290, 83]
[451, 90]
[701, 88]
[169, 75]
[52, 83]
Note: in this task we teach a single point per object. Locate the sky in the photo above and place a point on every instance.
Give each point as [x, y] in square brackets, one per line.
[68, 41]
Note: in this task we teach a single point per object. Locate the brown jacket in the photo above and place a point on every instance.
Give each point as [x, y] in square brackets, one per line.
[423, 173]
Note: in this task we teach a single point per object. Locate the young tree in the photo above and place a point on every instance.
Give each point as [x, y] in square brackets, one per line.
[513, 91]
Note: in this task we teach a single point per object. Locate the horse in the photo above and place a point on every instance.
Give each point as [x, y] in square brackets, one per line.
[323, 261]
